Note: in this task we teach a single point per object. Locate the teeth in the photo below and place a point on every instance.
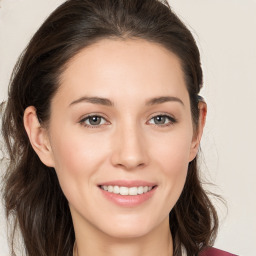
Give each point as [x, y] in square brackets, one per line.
[116, 190]
[124, 191]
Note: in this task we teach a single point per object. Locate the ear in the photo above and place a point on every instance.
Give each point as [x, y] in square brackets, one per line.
[38, 136]
[202, 106]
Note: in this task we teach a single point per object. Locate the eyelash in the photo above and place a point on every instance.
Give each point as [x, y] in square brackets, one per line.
[82, 122]
[171, 121]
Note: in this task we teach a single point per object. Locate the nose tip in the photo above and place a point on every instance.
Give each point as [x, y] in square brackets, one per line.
[130, 152]
[129, 162]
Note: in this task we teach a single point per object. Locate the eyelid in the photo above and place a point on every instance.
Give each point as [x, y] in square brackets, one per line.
[172, 119]
[84, 118]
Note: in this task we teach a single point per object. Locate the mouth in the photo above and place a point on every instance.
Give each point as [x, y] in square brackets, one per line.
[127, 191]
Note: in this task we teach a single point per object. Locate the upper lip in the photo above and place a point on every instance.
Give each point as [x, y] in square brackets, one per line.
[128, 183]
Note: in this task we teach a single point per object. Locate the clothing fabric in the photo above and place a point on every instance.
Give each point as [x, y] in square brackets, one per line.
[215, 252]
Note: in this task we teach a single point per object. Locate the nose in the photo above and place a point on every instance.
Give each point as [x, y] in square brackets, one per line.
[129, 149]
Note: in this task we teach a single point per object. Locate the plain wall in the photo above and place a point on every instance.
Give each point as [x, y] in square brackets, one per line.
[226, 35]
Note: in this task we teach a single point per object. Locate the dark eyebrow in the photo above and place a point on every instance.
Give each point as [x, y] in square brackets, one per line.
[107, 102]
[160, 100]
[93, 100]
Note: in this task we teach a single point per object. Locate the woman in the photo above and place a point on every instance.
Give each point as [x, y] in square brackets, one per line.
[103, 125]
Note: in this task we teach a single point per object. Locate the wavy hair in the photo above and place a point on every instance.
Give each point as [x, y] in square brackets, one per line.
[32, 194]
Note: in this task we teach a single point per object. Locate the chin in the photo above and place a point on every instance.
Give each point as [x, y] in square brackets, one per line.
[130, 228]
[128, 233]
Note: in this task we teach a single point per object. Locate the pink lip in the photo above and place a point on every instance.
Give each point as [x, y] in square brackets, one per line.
[128, 201]
[128, 183]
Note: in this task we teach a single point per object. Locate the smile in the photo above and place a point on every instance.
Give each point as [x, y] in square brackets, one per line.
[125, 191]
[128, 193]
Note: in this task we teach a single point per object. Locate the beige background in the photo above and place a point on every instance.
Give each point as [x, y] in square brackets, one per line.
[226, 33]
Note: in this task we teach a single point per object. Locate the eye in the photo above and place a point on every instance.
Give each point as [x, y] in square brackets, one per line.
[93, 120]
[162, 120]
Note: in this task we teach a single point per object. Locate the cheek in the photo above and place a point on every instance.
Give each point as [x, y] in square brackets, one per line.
[74, 152]
[173, 159]
[77, 160]
[174, 152]
[175, 166]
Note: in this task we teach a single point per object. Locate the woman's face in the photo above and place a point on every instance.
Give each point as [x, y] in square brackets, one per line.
[121, 118]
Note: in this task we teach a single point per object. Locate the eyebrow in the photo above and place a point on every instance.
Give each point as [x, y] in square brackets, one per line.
[160, 100]
[107, 102]
[93, 100]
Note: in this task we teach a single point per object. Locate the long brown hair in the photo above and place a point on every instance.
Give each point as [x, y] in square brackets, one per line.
[32, 194]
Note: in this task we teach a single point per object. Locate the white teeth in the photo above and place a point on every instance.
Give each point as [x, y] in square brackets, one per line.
[116, 190]
[124, 191]
[133, 191]
[140, 190]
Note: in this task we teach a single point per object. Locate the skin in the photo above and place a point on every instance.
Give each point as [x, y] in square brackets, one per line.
[127, 145]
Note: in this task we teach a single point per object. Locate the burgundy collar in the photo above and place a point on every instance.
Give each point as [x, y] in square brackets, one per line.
[210, 251]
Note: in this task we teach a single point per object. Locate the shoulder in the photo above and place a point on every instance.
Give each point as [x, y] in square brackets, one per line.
[215, 252]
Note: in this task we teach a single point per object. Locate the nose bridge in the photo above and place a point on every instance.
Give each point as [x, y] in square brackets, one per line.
[129, 149]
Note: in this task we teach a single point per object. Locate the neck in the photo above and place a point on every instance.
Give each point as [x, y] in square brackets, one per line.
[157, 242]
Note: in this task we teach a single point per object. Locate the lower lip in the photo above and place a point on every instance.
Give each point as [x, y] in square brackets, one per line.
[128, 201]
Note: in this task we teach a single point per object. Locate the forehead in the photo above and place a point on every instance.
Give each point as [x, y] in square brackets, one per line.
[133, 66]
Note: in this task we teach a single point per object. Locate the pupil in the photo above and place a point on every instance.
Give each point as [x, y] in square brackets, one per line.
[94, 120]
[159, 120]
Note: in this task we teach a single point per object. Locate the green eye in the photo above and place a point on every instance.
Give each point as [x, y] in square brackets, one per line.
[93, 121]
[162, 120]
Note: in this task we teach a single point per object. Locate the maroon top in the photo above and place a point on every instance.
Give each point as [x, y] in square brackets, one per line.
[215, 252]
